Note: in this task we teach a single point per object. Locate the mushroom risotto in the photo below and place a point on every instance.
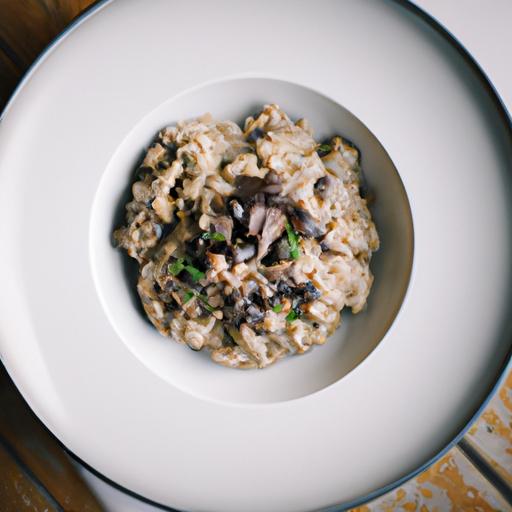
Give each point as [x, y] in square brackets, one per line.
[249, 242]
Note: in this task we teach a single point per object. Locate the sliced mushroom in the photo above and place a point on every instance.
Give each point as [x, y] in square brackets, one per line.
[236, 315]
[307, 292]
[243, 252]
[272, 178]
[254, 314]
[273, 228]
[204, 221]
[184, 231]
[217, 203]
[168, 285]
[272, 189]
[223, 225]
[167, 228]
[304, 223]
[276, 272]
[278, 251]
[256, 218]
[248, 186]
[272, 183]
[279, 201]
[238, 210]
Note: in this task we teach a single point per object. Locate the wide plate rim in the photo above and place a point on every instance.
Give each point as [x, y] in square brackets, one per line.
[506, 366]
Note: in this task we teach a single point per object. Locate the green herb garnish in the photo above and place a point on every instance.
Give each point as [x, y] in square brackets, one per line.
[291, 316]
[188, 296]
[176, 267]
[293, 241]
[218, 237]
[324, 148]
[204, 300]
[277, 308]
[195, 273]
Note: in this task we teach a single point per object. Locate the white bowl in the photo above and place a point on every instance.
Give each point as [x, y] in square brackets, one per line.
[294, 377]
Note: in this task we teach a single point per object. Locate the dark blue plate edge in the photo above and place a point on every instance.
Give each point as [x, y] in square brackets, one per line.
[504, 114]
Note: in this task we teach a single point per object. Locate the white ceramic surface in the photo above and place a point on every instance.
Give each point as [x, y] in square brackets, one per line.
[379, 422]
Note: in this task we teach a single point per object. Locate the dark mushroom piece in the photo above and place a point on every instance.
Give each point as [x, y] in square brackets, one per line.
[248, 186]
[273, 228]
[279, 201]
[272, 189]
[196, 248]
[255, 134]
[144, 171]
[272, 178]
[278, 251]
[219, 248]
[260, 197]
[254, 314]
[166, 283]
[284, 288]
[304, 223]
[217, 204]
[272, 184]
[258, 300]
[237, 315]
[324, 246]
[307, 291]
[276, 272]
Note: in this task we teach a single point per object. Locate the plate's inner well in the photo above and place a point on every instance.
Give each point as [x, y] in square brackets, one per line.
[357, 335]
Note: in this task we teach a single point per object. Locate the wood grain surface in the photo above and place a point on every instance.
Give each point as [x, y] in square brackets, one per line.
[26, 27]
[36, 474]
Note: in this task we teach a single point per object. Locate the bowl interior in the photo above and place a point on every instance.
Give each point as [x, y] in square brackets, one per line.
[293, 377]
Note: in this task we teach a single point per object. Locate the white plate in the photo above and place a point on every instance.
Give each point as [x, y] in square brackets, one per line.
[164, 423]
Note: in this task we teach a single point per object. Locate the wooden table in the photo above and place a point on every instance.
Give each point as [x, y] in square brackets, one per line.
[37, 475]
